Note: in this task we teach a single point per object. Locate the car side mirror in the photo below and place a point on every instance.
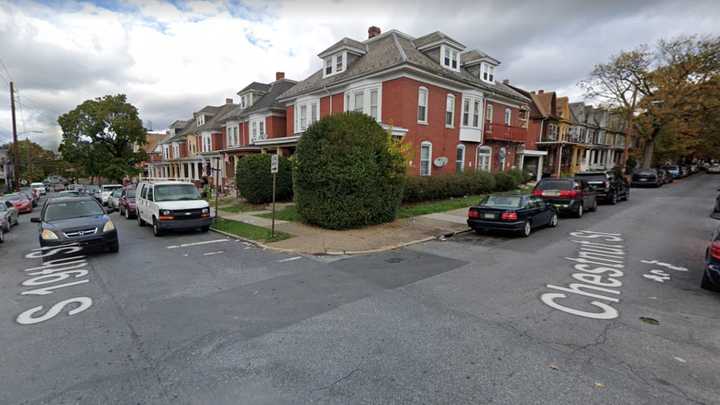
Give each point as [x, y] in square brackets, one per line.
[35, 219]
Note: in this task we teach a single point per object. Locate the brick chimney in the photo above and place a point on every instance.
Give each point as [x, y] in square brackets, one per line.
[506, 81]
[373, 31]
[541, 91]
[228, 101]
[279, 76]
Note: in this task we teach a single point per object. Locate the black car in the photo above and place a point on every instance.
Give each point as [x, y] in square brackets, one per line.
[567, 195]
[79, 220]
[666, 176]
[608, 187]
[511, 212]
[647, 178]
[711, 276]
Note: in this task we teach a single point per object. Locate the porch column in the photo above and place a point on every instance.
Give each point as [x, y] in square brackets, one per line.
[573, 159]
[539, 169]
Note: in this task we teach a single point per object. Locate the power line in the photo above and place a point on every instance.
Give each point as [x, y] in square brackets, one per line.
[6, 71]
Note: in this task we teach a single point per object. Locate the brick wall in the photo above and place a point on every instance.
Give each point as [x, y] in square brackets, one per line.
[183, 150]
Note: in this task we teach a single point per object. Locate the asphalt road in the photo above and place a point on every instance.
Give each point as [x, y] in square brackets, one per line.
[455, 321]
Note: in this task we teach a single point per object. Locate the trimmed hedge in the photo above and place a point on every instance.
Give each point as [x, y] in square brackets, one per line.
[425, 188]
[348, 173]
[254, 180]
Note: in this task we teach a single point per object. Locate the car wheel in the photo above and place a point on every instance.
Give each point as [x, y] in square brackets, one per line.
[127, 214]
[553, 220]
[140, 221]
[2, 235]
[527, 229]
[205, 229]
[613, 199]
[579, 212]
[114, 247]
[594, 206]
[156, 228]
[706, 284]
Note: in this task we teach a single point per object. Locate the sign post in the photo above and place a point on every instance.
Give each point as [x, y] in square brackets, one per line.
[274, 161]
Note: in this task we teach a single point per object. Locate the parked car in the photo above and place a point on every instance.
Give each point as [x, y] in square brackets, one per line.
[93, 191]
[646, 177]
[114, 199]
[512, 212]
[30, 195]
[20, 201]
[58, 187]
[39, 188]
[714, 168]
[711, 276]
[666, 176]
[609, 188]
[171, 205]
[3, 225]
[76, 220]
[106, 190]
[567, 195]
[674, 170]
[8, 214]
[127, 203]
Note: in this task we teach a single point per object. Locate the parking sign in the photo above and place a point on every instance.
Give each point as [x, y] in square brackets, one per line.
[274, 163]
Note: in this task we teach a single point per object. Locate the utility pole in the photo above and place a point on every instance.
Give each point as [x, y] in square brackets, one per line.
[16, 154]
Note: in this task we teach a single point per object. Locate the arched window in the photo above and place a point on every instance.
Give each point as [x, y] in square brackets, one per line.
[460, 158]
[484, 156]
[425, 158]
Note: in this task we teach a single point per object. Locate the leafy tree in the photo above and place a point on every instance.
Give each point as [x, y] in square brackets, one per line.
[100, 136]
[35, 162]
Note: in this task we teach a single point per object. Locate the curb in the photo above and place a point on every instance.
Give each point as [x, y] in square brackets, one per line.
[344, 252]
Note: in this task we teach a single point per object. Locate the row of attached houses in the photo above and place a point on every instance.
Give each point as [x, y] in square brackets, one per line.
[431, 92]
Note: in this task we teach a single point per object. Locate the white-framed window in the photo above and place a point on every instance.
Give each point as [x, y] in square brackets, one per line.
[257, 131]
[450, 111]
[206, 143]
[489, 113]
[366, 99]
[176, 150]
[484, 158]
[334, 64]
[307, 112]
[460, 158]
[200, 120]
[471, 111]
[487, 72]
[253, 131]
[233, 135]
[508, 116]
[425, 158]
[449, 58]
[502, 158]
[422, 115]
[166, 152]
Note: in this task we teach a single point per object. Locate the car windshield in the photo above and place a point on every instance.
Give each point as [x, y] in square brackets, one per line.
[646, 172]
[502, 201]
[72, 209]
[110, 188]
[555, 185]
[176, 192]
[15, 197]
[91, 189]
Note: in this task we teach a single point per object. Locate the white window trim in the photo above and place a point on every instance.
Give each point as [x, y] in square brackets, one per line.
[489, 154]
[200, 120]
[457, 58]
[429, 144]
[490, 70]
[309, 120]
[206, 142]
[258, 129]
[471, 99]
[427, 102]
[489, 115]
[462, 167]
[333, 64]
[233, 134]
[507, 117]
[447, 105]
[366, 88]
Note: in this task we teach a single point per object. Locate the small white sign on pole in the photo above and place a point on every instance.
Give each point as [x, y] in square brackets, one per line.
[274, 163]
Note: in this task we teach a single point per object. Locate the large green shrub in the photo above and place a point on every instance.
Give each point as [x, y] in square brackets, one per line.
[504, 182]
[518, 176]
[348, 173]
[254, 180]
[445, 186]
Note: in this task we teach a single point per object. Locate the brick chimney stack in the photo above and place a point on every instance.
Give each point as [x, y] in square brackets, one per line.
[373, 31]
[506, 81]
[228, 101]
[279, 76]
[541, 91]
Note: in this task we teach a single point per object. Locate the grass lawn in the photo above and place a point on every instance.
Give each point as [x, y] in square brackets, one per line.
[248, 231]
[430, 207]
[236, 206]
[286, 214]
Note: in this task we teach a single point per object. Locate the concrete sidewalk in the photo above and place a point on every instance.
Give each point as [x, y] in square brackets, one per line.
[402, 232]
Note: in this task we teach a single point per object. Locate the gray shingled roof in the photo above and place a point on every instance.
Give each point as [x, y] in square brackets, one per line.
[267, 101]
[475, 55]
[343, 42]
[434, 37]
[389, 50]
[255, 86]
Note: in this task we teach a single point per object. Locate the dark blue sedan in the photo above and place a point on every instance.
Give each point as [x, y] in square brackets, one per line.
[512, 212]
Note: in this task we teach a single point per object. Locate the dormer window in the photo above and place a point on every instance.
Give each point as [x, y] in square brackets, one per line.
[335, 64]
[487, 72]
[200, 120]
[449, 58]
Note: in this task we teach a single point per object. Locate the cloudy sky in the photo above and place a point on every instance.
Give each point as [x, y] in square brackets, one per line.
[174, 57]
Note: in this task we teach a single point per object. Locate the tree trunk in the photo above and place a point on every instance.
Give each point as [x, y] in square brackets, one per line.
[648, 153]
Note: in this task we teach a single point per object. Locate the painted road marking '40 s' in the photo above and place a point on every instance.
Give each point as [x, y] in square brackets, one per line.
[44, 278]
[600, 255]
[659, 275]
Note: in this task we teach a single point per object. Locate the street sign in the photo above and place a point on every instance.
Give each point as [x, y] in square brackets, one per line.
[274, 160]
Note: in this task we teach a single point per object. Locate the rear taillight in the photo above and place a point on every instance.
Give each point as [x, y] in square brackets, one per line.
[472, 213]
[537, 193]
[509, 216]
[715, 250]
[568, 193]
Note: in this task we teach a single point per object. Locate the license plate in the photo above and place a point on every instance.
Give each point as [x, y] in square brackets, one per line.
[643, 179]
[551, 193]
[489, 216]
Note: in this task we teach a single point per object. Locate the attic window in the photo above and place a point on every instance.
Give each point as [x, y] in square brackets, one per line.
[335, 64]
[449, 58]
[200, 120]
[487, 72]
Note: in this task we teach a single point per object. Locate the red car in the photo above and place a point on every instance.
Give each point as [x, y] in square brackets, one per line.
[21, 203]
[127, 206]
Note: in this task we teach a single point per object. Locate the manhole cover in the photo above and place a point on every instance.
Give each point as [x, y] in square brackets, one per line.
[394, 260]
[651, 321]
